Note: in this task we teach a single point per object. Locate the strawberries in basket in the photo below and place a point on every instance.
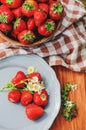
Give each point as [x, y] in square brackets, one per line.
[25, 16]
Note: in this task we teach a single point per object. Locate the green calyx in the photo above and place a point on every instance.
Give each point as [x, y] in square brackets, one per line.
[28, 6]
[16, 23]
[50, 26]
[28, 36]
[43, 97]
[3, 18]
[9, 1]
[57, 8]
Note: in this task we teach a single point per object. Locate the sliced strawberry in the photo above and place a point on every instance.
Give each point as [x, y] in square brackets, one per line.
[34, 112]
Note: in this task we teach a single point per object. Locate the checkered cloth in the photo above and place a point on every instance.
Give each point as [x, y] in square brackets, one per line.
[68, 46]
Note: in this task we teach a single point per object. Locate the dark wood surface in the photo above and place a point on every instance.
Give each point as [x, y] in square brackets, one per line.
[79, 96]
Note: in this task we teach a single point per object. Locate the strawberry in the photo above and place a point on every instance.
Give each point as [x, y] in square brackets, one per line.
[56, 11]
[35, 76]
[41, 99]
[6, 15]
[39, 16]
[18, 78]
[31, 24]
[44, 7]
[17, 12]
[34, 112]
[19, 25]
[47, 28]
[26, 37]
[28, 7]
[12, 3]
[4, 27]
[26, 98]
[14, 96]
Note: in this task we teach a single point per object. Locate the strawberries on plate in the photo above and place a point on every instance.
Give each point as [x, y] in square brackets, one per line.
[28, 90]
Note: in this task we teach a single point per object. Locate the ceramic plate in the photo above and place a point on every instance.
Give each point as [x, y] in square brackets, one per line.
[12, 116]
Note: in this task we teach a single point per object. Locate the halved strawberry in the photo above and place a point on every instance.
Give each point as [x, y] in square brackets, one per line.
[34, 112]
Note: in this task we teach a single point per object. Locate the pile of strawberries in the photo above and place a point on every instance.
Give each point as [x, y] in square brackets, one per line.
[29, 91]
[29, 20]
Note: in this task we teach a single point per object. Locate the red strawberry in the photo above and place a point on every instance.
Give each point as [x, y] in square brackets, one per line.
[12, 3]
[19, 25]
[43, 0]
[31, 24]
[28, 7]
[35, 75]
[34, 112]
[4, 27]
[56, 10]
[26, 37]
[6, 15]
[20, 76]
[17, 12]
[47, 28]
[26, 98]
[14, 96]
[39, 16]
[44, 7]
[41, 99]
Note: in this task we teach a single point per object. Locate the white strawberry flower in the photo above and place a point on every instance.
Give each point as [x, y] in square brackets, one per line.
[31, 70]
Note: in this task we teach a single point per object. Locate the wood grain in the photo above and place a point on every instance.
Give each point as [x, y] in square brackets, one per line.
[79, 96]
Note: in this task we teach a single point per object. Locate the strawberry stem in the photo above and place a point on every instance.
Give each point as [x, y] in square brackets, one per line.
[28, 6]
[57, 8]
[9, 1]
[3, 18]
[16, 23]
[28, 36]
[50, 26]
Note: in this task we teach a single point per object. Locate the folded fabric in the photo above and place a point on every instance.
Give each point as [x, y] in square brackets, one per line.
[68, 46]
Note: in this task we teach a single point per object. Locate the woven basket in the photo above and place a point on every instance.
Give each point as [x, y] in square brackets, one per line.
[36, 43]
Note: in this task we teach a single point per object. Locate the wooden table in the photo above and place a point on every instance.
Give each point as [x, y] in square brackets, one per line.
[79, 96]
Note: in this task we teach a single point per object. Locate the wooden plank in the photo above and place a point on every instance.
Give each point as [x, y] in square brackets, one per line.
[79, 96]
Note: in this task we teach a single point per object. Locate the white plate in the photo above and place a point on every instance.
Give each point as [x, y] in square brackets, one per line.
[12, 116]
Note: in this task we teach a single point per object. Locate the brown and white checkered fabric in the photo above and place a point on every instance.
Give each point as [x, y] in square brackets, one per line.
[68, 46]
